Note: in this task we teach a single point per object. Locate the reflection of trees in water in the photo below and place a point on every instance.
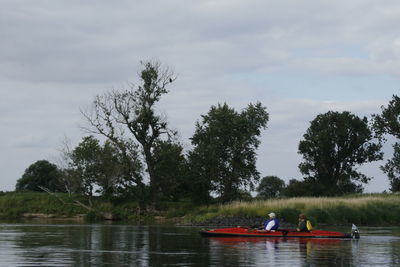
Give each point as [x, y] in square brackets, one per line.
[245, 251]
[45, 244]
[83, 245]
[114, 245]
[289, 251]
[176, 246]
[395, 253]
[326, 252]
[230, 252]
[376, 250]
[118, 245]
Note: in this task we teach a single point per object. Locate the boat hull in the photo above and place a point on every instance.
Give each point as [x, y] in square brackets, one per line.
[246, 232]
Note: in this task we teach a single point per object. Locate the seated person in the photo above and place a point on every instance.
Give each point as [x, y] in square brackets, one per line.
[272, 223]
[304, 224]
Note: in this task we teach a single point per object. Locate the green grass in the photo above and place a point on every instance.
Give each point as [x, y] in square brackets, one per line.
[367, 209]
[14, 205]
[371, 209]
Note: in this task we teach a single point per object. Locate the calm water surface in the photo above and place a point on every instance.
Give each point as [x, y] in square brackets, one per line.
[127, 245]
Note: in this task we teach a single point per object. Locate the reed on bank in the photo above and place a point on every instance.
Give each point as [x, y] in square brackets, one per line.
[17, 205]
[14, 205]
[365, 209]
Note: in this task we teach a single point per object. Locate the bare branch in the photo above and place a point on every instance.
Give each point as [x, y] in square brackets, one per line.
[52, 193]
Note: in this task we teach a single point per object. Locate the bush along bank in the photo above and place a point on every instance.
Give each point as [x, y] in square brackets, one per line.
[33, 205]
[40, 205]
[367, 210]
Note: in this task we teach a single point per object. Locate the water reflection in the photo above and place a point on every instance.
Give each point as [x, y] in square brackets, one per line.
[290, 251]
[127, 245]
[100, 245]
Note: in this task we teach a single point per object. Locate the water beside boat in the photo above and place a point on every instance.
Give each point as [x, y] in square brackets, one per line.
[30, 244]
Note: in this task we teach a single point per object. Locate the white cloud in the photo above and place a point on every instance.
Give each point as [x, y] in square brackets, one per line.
[55, 56]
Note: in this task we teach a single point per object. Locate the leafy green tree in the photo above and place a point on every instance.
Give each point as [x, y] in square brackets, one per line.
[223, 159]
[270, 187]
[170, 167]
[85, 163]
[200, 167]
[110, 170]
[392, 169]
[40, 174]
[334, 146]
[296, 188]
[244, 195]
[96, 168]
[388, 122]
[129, 119]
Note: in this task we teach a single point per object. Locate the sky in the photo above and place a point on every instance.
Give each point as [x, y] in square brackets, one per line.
[298, 58]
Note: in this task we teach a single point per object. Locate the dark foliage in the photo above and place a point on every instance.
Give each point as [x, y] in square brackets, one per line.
[388, 122]
[171, 168]
[270, 187]
[333, 147]
[41, 173]
[224, 156]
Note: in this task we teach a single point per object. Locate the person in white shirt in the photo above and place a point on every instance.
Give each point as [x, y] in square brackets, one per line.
[272, 223]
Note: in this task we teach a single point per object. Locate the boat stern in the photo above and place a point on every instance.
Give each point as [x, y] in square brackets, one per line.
[354, 232]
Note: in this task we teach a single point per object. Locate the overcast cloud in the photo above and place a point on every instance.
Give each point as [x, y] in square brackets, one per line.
[299, 58]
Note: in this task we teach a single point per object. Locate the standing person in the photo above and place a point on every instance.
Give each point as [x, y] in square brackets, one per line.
[304, 224]
[272, 223]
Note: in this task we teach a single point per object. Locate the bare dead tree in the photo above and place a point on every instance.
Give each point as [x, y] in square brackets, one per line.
[129, 119]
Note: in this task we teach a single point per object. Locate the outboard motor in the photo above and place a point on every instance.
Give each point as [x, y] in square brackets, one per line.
[354, 232]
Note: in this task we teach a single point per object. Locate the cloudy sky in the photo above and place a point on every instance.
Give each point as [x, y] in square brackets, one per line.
[299, 58]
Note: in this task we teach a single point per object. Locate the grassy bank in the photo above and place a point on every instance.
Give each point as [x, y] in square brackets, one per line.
[374, 209]
[15, 205]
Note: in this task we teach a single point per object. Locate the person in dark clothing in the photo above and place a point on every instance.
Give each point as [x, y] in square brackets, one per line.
[304, 224]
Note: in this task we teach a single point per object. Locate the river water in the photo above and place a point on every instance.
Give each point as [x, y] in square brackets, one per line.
[35, 244]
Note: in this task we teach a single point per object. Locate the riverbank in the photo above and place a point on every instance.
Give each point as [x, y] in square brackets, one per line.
[366, 209]
[61, 206]
[37, 205]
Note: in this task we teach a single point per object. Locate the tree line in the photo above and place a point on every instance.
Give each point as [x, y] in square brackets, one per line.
[131, 152]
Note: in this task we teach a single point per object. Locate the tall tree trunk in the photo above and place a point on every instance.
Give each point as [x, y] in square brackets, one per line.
[153, 179]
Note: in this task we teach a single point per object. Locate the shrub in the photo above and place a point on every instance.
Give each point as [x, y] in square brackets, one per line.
[290, 215]
[319, 216]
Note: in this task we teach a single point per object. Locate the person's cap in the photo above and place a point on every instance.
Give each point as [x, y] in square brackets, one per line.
[273, 215]
[302, 216]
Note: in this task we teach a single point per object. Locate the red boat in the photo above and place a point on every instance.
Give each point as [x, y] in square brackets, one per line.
[248, 232]
[276, 240]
